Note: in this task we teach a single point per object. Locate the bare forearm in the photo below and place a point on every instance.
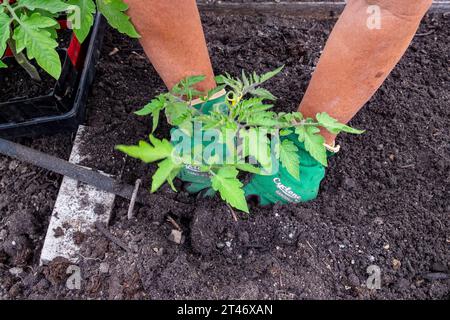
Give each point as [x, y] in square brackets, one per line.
[356, 59]
[173, 39]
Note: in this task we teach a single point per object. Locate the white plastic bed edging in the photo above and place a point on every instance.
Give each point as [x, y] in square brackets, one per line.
[78, 207]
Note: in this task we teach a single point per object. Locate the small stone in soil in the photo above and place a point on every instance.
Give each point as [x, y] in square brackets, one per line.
[3, 234]
[15, 271]
[104, 267]
[378, 221]
[176, 236]
[396, 264]
[220, 245]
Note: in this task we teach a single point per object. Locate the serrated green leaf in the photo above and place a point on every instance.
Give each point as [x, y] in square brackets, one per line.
[154, 108]
[87, 10]
[192, 80]
[230, 188]
[226, 79]
[248, 168]
[155, 104]
[262, 119]
[257, 145]
[210, 123]
[245, 80]
[148, 153]
[289, 158]
[40, 45]
[263, 93]
[4, 32]
[313, 141]
[253, 105]
[155, 119]
[114, 12]
[173, 174]
[270, 74]
[53, 32]
[334, 126]
[53, 6]
[177, 113]
[165, 172]
[285, 132]
[256, 78]
[220, 79]
[214, 91]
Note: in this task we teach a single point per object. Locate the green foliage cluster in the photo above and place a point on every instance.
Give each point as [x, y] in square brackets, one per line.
[29, 26]
[247, 114]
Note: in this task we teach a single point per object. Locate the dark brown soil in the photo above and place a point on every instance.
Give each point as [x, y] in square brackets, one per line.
[15, 84]
[269, 1]
[384, 201]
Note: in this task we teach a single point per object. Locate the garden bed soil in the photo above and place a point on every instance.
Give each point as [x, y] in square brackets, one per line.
[17, 84]
[384, 200]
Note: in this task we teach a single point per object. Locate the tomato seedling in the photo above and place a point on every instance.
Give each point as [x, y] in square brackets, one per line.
[243, 125]
[28, 28]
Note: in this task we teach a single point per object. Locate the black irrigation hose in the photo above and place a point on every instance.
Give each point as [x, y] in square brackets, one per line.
[86, 175]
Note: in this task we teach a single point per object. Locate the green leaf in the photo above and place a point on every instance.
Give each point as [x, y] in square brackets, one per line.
[313, 142]
[245, 80]
[53, 6]
[335, 126]
[40, 45]
[248, 168]
[177, 113]
[87, 10]
[154, 108]
[173, 174]
[166, 172]
[226, 79]
[270, 74]
[262, 119]
[289, 158]
[257, 145]
[113, 10]
[147, 152]
[251, 106]
[220, 79]
[263, 93]
[2, 65]
[157, 103]
[285, 132]
[214, 91]
[192, 80]
[5, 22]
[230, 188]
[53, 32]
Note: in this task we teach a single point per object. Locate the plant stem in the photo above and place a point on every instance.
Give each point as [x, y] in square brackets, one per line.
[20, 56]
[24, 62]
